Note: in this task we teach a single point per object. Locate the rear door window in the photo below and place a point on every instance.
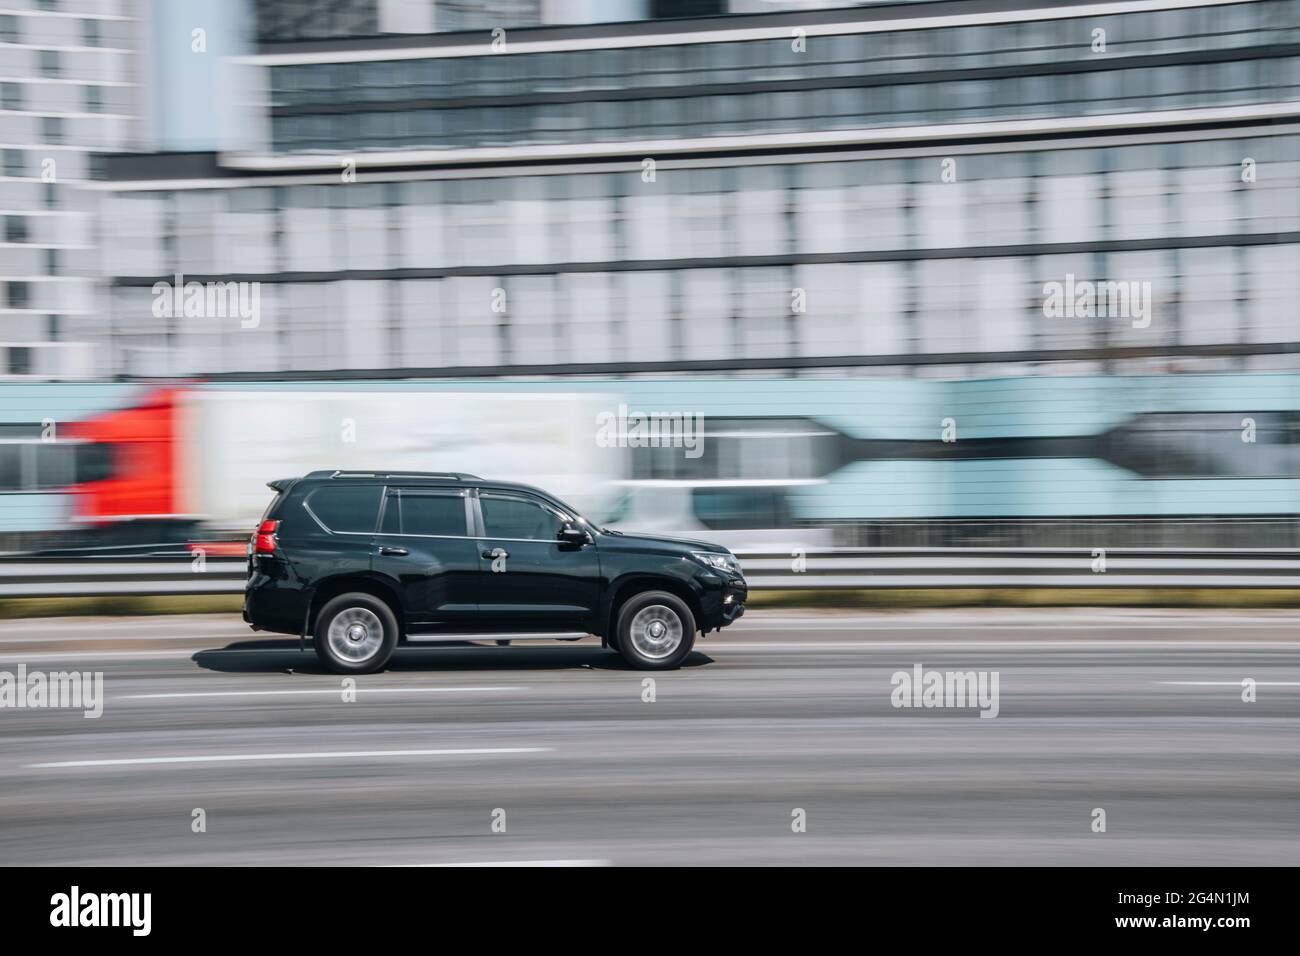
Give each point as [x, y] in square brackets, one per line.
[439, 515]
[350, 509]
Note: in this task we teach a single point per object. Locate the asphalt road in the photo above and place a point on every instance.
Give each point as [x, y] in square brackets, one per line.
[1138, 713]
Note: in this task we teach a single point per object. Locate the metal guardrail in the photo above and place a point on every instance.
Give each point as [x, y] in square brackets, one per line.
[1020, 568]
[98, 577]
[826, 569]
[1145, 533]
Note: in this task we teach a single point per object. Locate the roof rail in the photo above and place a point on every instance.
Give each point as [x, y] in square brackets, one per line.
[454, 475]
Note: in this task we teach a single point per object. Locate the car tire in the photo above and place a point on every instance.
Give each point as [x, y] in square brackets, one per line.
[655, 631]
[355, 633]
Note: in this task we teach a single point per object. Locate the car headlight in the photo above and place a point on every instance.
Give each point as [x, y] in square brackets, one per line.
[723, 562]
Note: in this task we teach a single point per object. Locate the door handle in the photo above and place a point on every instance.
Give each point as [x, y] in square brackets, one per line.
[395, 551]
[495, 553]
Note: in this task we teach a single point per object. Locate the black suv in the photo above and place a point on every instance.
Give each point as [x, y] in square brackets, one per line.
[364, 561]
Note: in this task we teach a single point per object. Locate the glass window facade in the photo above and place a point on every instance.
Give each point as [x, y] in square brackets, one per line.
[1152, 61]
[934, 256]
[876, 257]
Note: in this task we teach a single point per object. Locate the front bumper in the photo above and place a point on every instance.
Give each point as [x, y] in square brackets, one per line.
[734, 596]
[732, 612]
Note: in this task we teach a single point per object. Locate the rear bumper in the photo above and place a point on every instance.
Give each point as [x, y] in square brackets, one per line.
[270, 607]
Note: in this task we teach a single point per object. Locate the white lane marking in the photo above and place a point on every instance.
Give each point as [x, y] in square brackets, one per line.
[30, 632]
[228, 635]
[1039, 625]
[320, 755]
[292, 647]
[1067, 613]
[1229, 683]
[854, 624]
[702, 646]
[224, 635]
[319, 690]
[510, 863]
[855, 645]
[162, 622]
[766, 625]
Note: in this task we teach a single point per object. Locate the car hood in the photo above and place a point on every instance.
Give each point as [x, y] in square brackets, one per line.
[682, 544]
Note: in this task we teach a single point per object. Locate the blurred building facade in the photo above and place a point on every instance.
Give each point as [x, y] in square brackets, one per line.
[829, 228]
[849, 187]
[70, 82]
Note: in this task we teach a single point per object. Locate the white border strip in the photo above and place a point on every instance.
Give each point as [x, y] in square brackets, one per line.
[335, 691]
[309, 755]
[512, 863]
[783, 32]
[1229, 683]
[763, 141]
[296, 178]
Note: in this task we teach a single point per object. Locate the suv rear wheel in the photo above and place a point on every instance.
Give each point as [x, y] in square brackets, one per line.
[355, 633]
[656, 631]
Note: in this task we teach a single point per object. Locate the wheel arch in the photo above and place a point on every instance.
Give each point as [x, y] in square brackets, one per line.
[330, 588]
[626, 587]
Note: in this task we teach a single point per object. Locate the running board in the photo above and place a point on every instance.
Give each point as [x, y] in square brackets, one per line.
[526, 636]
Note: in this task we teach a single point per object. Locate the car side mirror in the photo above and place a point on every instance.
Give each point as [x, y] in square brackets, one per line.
[573, 537]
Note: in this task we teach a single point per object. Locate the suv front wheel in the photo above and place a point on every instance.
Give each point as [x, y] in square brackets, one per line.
[656, 631]
[355, 633]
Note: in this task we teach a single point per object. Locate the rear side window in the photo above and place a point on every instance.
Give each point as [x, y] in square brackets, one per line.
[441, 515]
[348, 508]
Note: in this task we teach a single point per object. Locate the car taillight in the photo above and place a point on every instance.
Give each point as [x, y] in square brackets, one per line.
[264, 543]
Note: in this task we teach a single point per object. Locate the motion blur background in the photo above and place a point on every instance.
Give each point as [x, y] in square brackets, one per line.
[826, 227]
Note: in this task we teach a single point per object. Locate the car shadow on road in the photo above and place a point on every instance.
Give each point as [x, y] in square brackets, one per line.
[278, 656]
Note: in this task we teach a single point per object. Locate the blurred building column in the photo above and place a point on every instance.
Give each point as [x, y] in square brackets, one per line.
[200, 97]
